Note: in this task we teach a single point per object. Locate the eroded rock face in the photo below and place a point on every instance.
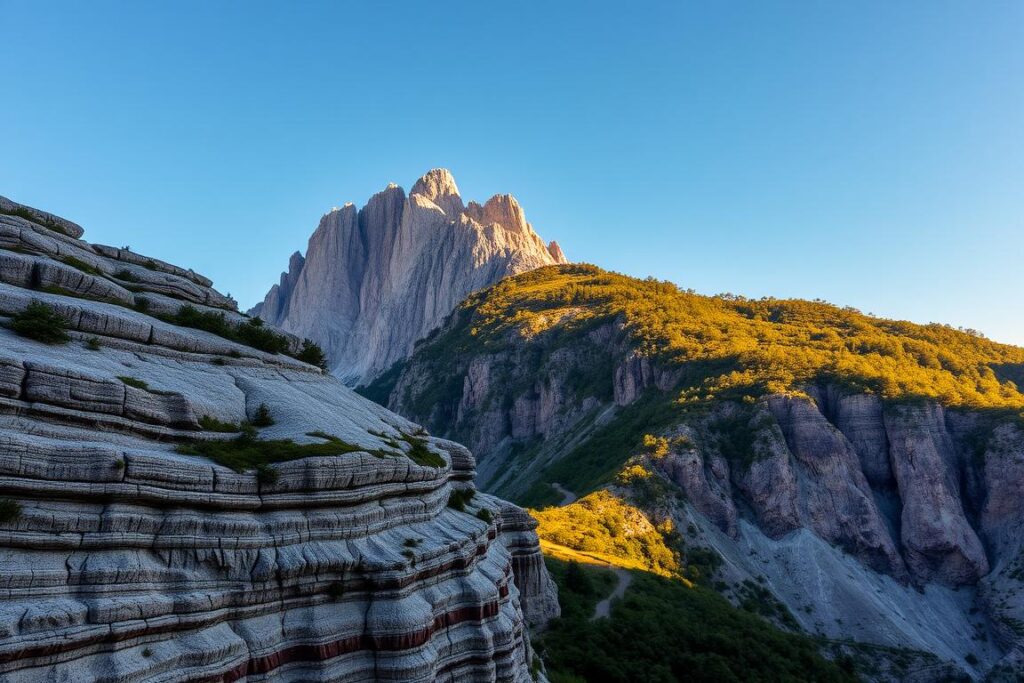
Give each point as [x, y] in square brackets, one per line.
[124, 560]
[377, 279]
[873, 520]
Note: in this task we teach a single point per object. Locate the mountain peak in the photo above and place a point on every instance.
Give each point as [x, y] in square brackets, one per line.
[438, 185]
[373, 284]
[556, 252]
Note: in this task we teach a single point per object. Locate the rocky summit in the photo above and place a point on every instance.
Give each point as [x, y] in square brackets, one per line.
[375, 280]
[182, 497]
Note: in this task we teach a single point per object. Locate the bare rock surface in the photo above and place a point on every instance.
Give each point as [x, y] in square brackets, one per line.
[124, 560]
[375, 280]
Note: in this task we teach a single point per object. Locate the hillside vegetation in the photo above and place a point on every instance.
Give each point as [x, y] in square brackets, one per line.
[731, 347]
[663, 631]
[608, 529]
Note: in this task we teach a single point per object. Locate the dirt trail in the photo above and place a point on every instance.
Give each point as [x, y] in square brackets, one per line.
[567, 495]
[603, 608]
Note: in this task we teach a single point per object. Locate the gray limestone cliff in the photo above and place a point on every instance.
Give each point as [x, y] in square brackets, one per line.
[126, 559]
[377, 279]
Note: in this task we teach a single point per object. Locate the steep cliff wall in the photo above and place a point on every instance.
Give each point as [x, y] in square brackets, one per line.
[127, 558]
[888, 521]
[375, 280]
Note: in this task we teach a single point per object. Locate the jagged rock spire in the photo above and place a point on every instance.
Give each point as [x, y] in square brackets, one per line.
[375, 281]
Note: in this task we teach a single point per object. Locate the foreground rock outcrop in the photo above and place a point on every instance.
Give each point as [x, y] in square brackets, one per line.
[125, 559]
[377, 279]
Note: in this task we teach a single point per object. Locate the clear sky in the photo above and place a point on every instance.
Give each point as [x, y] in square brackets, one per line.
[868, 153]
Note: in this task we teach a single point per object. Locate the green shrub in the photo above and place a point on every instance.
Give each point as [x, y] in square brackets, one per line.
[41, 322]
[249, 333]
[262, 417]
[255, 335]
[93, 343]
[10, 510]
[312, 353]
[150, 264]
[141, 304]
[459, 497]
[485, 515]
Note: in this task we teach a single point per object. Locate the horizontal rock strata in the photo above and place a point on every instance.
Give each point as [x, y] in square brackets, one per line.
[125, 560]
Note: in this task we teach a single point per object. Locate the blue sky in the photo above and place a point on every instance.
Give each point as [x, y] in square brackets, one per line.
[871, 154]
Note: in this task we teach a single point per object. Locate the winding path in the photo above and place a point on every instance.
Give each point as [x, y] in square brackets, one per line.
[603, 608]
[567, 495]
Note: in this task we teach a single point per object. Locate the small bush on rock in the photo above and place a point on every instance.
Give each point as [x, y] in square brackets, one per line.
[459, 497]
[41, 322]
[262, 417]
[312, 353]
[10, 510]
[92, 343]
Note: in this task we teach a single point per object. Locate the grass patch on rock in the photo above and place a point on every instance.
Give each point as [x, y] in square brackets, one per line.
[134, 382]
[246, 452]
[420, 454]
[212, 424]
[81, 265]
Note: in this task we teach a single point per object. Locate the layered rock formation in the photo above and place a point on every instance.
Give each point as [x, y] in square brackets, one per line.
[377, 279]
[126, 559]
[895, 523]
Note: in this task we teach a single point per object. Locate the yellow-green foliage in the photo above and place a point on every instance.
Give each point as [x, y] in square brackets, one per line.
[603, 524]
[730, 347]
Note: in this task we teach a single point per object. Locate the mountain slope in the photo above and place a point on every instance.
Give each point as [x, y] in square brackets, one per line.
[863, 468]
[181, 499]
[376, 279]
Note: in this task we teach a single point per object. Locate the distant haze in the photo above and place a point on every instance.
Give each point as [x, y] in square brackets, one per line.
[871, 154]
